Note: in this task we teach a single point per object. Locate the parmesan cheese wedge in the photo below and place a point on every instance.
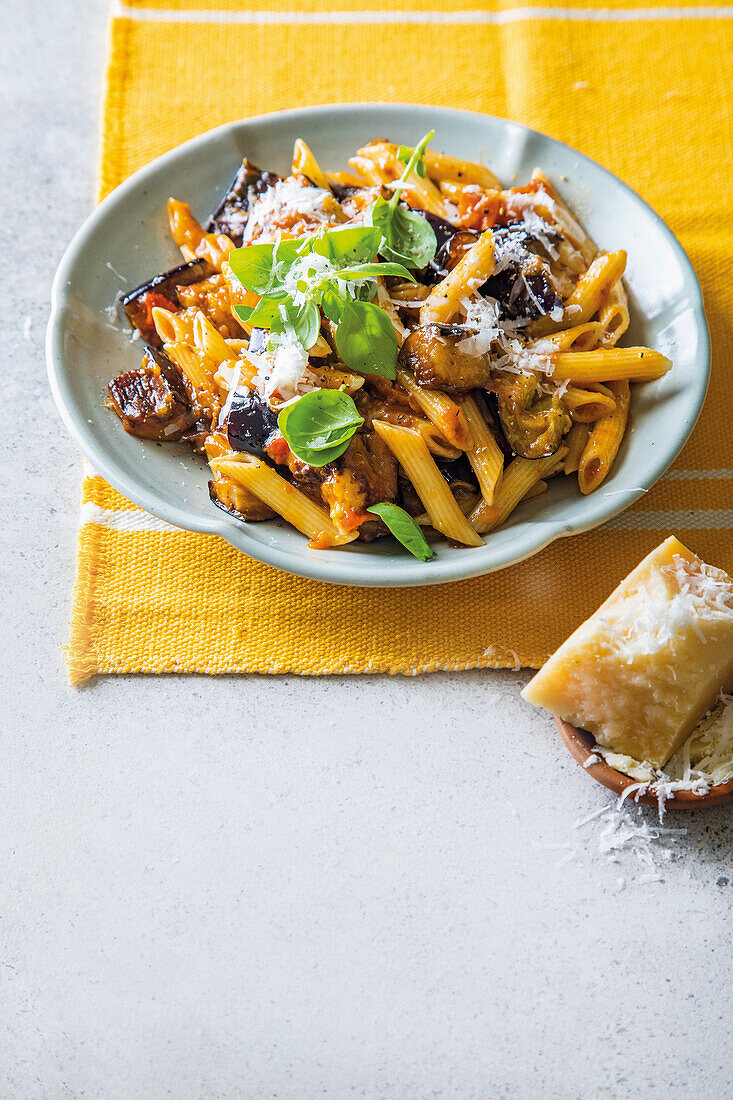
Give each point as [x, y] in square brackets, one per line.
[645, 668]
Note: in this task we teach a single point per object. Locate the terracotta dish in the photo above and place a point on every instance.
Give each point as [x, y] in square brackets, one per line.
[581, 745]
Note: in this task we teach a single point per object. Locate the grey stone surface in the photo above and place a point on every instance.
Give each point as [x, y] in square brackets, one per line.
[253, 887]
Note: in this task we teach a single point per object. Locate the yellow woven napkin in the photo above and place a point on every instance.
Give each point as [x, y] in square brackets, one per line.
[645, 91]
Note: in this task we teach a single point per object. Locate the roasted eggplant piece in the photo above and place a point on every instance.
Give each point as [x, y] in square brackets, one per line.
[458, 473]
[450, 251]
[237, 501]
[344, 191]
[150, 401]
[366, 474]
[251, 423]
[522, 282]
[161, 291]
[232, 213]
[533, 429]
[432, 353]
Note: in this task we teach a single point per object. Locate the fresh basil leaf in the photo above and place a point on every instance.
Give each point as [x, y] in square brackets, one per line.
[353, 245]
[365, 290]
[255, 265]
[408, 238]
[366, 340]
[363, 271]
[262, 315]
[303, 321]
[412, 236]
[332, 303]
[404, 529]
[405, 152]
[319, 426]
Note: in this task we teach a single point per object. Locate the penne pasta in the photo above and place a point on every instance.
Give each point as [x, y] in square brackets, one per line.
[410, 450]
[557, 212]
[614, 316]
[578, 338]
[609, 364]
[484, 453]
[267, 485]
[471, 271]
[210, 342]
[436, 442]
[445, 413]
[173, 327]
[520, 477]
[576, 440]
[537, 490]
[386, 168]
[604, 441]
[586, 406]
[305, 164]
[594, 286]
[191, 238]
[465, 173]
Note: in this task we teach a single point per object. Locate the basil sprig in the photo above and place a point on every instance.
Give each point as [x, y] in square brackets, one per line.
[319, 425]
[404, 529]
[408, 238]
[333, 270]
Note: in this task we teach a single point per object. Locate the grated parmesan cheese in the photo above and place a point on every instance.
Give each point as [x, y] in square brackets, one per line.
[283, 371]
[490, 335]
[288, 201]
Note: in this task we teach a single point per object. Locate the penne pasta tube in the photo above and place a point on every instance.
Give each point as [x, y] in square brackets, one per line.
[594, 286]
[173, 327]
[199, 373]
[604, 441]
[559, 213]
[484, 453]
[471, 271]
[586, 406]
[191, 238]
[209, 341]
[283, 498]
[436, 442]
[441, 166]
[345, 179]
[609, 364]
[576, 440]
[305, 164]
[590, 293]
[520, 476]
[578, 338]
[614, 316]
[189, 360]
[444, 412]
[410, 450]
[383, 155]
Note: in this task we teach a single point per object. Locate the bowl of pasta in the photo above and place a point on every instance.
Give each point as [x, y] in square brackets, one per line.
[378, 360]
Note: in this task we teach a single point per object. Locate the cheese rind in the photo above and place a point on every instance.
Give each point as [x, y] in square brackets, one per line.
[642, 671]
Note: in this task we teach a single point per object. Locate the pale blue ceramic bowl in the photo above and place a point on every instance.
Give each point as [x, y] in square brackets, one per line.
[126, 240]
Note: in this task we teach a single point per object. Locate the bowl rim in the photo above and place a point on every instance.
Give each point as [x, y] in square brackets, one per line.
[460, 564]
[581, 745]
